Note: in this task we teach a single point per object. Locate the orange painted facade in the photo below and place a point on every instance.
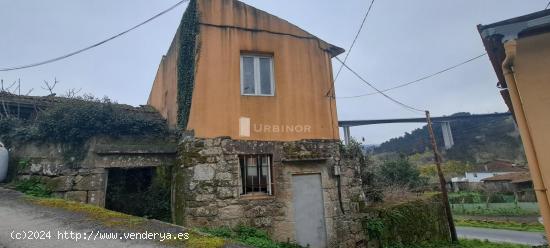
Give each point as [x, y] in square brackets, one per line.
[302, 70]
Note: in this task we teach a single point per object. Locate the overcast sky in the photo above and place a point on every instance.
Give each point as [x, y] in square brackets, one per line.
[402, 40]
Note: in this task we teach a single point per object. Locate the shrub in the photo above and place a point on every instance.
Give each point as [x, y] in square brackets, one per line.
[71, 122]
[374, 227]
[33, 187]
[249, 236]
[75, 121]
[401, 172]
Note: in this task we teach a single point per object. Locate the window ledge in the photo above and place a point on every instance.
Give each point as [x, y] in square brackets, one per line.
[256, 197]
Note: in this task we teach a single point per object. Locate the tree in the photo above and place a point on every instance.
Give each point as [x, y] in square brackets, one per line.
[401, 172]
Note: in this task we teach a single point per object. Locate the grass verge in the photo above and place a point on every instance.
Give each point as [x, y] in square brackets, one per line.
[117, 220]
[248, 236]
[507, 225]
[105, 216]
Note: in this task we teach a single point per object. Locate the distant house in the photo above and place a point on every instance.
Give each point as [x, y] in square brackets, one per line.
[478, 173]
[519, 183]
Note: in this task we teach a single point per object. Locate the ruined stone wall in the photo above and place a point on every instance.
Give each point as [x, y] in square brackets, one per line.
[207, 187]
[86, 180]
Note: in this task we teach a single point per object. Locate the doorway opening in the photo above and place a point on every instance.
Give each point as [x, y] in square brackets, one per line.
[143, 192]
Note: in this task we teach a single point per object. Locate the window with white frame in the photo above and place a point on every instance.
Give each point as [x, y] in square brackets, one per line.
[256, 174]
[257, 75]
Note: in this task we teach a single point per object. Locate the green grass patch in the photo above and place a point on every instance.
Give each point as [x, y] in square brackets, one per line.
[205, 242]
[497, 209]
[508, 225]
[107, 217]
[248, 236]
[33, 187]
[120, 220]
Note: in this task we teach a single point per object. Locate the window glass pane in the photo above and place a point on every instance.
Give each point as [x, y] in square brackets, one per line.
[251, 165]
[248, 75]
[265, 76]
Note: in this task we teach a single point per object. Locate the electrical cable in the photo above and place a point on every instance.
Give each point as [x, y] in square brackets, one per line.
[94, 45]
[376, 89]
[417, 80]
[351, 46]
[355, 39]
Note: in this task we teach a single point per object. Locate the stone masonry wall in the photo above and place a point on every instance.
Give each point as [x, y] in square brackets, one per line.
[86, 181]
[207, 187]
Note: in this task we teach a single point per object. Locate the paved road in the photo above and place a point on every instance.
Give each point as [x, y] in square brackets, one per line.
[17, 214]
[496, 235]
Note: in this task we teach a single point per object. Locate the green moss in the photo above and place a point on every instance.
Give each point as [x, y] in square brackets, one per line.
[190, 156]
[294, 151]
[398, 223]
[186, 62]
[205, 242]
[107, 217]
[181, 194]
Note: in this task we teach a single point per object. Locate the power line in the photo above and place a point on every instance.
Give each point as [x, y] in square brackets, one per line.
[547, 5]
[372, 86]
[351, 47]
[354, 39]
[94, 45]
[419, 79]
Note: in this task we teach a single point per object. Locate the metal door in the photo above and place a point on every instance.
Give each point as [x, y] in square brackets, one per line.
[309, 211]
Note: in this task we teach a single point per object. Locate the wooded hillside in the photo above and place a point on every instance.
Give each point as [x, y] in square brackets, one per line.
[475, 141]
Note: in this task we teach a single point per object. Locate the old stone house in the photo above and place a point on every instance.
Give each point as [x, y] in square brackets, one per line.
[260, 145]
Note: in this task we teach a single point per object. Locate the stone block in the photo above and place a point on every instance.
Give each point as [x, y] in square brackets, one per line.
[78, 196]
[52, 169]
[225, 192]
[203, 172]
[257, 211]
[262, 222]
[96, 198]
[204, 197]
[35, 168]
[89, 182]
[61, 183]
[211, 151]
[224, 176]
[231, 212]
[204, 212]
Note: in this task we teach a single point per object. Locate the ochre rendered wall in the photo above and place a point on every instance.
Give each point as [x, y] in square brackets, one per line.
[302, 72]
[163, 96]
[532, 74]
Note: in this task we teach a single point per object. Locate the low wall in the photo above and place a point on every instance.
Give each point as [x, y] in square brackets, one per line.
[83, 177]
[407, 223]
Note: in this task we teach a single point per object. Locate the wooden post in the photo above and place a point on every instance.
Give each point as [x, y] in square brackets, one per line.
[443, 184]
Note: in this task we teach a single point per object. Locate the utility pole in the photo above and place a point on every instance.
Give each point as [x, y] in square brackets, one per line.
[443, 184]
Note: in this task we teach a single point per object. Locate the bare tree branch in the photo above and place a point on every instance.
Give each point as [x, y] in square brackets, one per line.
[50, 87]
[72, 93]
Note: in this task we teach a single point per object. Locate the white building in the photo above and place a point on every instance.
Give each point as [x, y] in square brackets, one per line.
[482, 171]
